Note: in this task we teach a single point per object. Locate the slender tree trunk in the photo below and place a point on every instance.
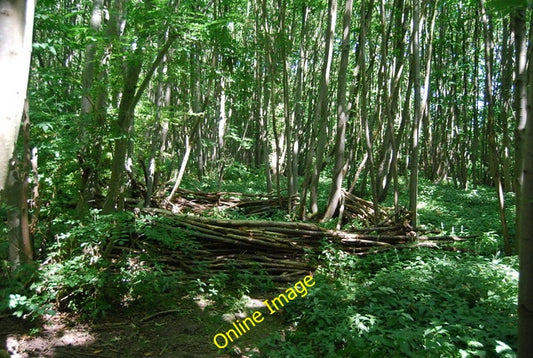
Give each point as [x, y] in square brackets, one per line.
[384, 113]
[413, 182]
[113, 200]
[434, 161]
[14, 212]
[343, 110]
[27, 235]
[182, 167]
[89, 154]
[290, 132]
[475, 119]
[321, 118]
[506, 81]
[20, 241]
[364, 103]
[190, 136]
[222, 118]
[196, 106]
[518, 24]
[157, 136]
[391, 91]
[263, 136]
[130, 97]
[494, 162]
[298, 107]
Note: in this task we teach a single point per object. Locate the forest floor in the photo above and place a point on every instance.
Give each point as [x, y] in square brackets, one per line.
[185, 332]
[453, 299]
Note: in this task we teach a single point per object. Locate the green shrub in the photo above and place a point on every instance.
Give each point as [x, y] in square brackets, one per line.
[90, 268]
[416, 304]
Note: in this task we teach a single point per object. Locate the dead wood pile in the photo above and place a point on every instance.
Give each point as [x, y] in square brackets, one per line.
[283, 250]
[199, 202]
[363, 212]
[355, 208]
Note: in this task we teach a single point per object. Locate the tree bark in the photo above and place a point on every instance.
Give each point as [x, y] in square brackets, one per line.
[90, 152]
[291, 133]
[321, 116]
[520, 100]
[130, 97]
[475, 120]
[506, 83]
[157, 135]
[16, 29]
[123, 134]
[413, 182]
[343, 110]
[525, 228]
[20, 241]
[494, 162]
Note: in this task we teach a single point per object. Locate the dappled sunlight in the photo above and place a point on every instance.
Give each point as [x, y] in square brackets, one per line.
[245, 302]
[410, 302]
[53, 335]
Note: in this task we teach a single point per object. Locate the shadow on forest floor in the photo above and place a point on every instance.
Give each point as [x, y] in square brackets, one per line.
[186, 332]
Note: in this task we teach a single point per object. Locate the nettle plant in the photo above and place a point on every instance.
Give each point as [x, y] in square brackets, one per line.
[415, 304]
[94, 266]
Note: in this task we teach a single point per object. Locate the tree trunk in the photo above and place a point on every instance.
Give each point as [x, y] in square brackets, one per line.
[157, 135]
[343, 110]
[182, 167]
[124, 131]
[20, 241]
[520, 100]
[291, 133]
[90, 152]
[364, 104]
[494, 161]
[197, 108]
[130, 97]
[16, 29]
[321, 117]
[525, 228]
[413, 182]
[506, 82]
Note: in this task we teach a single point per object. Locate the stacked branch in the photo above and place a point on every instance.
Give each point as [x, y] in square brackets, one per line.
[277, 248]
[362, 211]
[198, 202]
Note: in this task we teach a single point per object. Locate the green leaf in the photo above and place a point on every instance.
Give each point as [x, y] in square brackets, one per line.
[502, 347]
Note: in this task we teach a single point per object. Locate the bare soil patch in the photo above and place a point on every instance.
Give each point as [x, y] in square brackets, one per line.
[186, 332]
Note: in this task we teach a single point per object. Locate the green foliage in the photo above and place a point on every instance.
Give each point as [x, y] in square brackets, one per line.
[416, 304]
[452, 211]
[506, 6]
[160, 231]
[13, 290]
[230, 291]
[90, 270]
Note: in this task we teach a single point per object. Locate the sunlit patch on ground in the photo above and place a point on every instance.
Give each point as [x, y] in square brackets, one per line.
[54, 335]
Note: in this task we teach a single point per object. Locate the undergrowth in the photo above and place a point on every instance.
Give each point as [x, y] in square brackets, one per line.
[411, 304]
[106, 262]
[414, 302]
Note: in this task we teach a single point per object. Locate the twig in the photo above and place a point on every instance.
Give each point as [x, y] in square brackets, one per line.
[147, 318]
